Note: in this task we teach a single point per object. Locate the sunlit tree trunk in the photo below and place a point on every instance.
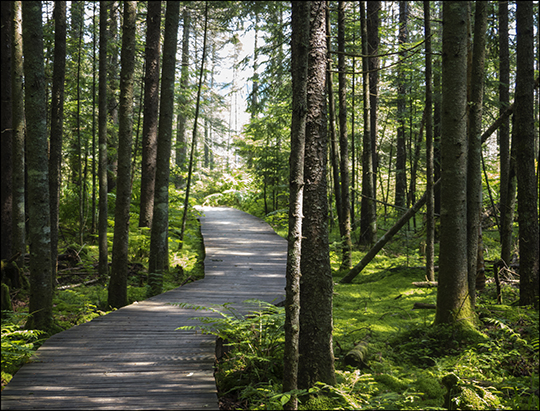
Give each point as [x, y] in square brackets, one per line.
[453, 302]
[158, 261]
[150, 122]
[18, 122]
[299, 66]
[527, 196]
[119, 268]
[40, 306]
[316, 361]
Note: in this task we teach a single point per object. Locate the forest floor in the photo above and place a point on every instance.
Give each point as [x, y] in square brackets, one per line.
[408, 363]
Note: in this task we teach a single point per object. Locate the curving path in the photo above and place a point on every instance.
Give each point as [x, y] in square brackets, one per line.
[133, 358]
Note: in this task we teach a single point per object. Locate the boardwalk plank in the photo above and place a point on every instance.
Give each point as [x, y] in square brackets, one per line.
[134, 358]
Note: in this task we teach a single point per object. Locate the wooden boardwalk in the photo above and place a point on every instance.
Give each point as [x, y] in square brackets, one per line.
[134, 358]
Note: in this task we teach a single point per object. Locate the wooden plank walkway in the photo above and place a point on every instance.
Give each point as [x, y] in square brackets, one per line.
[134, 358]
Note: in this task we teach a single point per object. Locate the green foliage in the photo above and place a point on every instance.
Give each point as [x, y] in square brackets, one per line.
[18, 344]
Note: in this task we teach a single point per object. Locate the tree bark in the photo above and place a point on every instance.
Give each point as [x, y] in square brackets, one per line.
[527, 196]
[158, 261]
[119, 269]
[474, 159]
[57, 125]
[18, 123]
[181, 141]
[344, 145]
[373, 22]
[103, 265]
[453, 302]
[150, 122]
[299, 70]
[316, 287]
[6, 128]
[40, 306]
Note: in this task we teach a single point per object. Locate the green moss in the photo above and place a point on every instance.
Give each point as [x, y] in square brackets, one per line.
[392, 382]
[429, 386]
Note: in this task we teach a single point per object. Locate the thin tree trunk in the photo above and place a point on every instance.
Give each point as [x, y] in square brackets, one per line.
[119, 269]
[150, 122]
[474, 159]
[18, 122]
[430, 213]
[373, 9]
[57, 125]
[344, 144]
[194, 136]
[299, 63]
[158, 261]
[181, 141]
[40, 306]
[103, 266]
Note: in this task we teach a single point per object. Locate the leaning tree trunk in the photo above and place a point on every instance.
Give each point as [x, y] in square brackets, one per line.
[119, 268]
[40, 306]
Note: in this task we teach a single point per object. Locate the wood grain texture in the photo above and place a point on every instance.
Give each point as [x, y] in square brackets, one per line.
[134, 358]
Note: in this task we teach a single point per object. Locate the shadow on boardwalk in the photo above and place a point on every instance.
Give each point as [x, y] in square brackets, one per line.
[134, 358]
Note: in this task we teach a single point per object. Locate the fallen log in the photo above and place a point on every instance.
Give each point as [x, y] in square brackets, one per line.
[357, 356]
[424, 305]
[386, 237]
[64, 287]
[425, 284]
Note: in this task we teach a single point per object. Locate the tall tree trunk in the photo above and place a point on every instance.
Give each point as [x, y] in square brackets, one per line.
[453, 302]
[6, 190]
[112, 93]
[40, 306]
[316, 361]
[103, 265]
[401, 159]
[57, 125]
[334, 146]
[474, 159]
[506, 203]
[430, 213]
[18, 122]
[344, 144]
[119, 269]
[373, 9]
[150, 122]
[524, 142]
[194, 136]
[158, 261]
[299, 70]
[181, 140]
[368, 209]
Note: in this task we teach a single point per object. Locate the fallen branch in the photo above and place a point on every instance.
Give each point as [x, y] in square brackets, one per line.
[424, 305]
[64, 287]
[425, 284]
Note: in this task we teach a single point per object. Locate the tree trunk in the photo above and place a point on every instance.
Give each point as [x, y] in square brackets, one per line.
[103, 265]
[150, 122]
[316, 361]
[18, 123]
[57, 125]
[181, 141]
[401, 159]
[453, 302]
[524, 142]
[194, 136]
[112, 92]
[299, 67]
[40, 306]
[430, 212]
[158, 261]
[373, 9]
[474, 159]
[6, 128]
[368, 209]
[344, 144]
[119, 269]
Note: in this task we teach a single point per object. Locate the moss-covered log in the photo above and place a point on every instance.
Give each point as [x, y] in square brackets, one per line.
[357, 356]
